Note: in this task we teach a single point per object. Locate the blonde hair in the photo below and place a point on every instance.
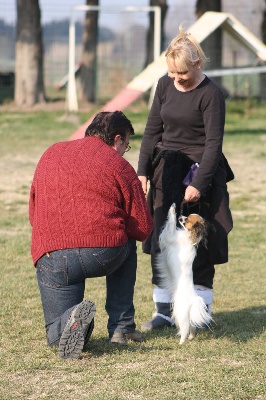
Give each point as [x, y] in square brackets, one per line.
[184, 50]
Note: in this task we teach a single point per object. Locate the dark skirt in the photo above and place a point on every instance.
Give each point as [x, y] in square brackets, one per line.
[166, 188]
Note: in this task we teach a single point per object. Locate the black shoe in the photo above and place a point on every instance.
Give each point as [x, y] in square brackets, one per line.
[72, 340]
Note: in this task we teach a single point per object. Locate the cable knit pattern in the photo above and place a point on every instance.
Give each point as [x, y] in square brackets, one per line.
[84, 194]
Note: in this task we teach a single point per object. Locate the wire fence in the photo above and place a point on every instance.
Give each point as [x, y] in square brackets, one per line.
[122, 42]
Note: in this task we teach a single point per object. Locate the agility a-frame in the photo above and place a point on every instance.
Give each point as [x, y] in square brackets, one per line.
[201, 29]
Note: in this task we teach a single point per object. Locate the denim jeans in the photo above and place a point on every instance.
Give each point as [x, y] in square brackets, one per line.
[61, 278]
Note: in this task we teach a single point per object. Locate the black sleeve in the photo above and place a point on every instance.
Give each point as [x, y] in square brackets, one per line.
[214, 119]
[152, 134]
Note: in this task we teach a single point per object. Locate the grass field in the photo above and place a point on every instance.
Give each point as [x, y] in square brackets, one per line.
[226, 363]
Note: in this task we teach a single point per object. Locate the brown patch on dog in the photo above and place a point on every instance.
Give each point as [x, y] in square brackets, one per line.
[198, 228]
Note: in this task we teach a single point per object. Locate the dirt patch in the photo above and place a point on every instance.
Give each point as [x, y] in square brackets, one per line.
[248, 188]
[58, 105]
[249, 185]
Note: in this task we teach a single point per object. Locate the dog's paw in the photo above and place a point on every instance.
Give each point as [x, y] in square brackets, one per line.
[192, 333]
[172, 208]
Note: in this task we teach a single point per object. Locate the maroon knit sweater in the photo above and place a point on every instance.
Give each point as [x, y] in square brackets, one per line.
[84, 194]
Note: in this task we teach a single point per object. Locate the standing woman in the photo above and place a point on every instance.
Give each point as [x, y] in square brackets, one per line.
[185, 126]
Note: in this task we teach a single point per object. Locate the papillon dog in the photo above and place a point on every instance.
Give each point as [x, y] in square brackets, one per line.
[178, 250]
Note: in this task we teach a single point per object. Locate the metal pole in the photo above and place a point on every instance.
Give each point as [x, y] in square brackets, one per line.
[157, 32]
[71, 87]
[157, 46]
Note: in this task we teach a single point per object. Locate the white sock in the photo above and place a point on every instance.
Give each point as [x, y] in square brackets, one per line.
[161, 295]
[206, 294]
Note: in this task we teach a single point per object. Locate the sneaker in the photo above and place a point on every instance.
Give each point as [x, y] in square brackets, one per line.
[157, 322]
[72, 340]
[123, 338]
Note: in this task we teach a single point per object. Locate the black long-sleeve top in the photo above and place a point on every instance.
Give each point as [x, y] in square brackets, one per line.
[191, 122]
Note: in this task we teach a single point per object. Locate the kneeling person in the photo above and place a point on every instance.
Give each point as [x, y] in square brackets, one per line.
[87, 209]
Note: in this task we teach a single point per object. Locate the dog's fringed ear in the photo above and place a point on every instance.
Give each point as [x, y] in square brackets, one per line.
[202, 230]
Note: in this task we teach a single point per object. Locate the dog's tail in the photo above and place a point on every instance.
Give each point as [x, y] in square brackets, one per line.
[199, 315]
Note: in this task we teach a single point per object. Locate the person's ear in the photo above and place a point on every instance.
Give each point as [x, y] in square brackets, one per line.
[116, 141]
[116, 138]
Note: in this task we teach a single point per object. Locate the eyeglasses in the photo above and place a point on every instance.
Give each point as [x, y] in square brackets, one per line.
[127, 145]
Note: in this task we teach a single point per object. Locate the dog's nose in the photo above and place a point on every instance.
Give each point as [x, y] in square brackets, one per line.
[182, 219]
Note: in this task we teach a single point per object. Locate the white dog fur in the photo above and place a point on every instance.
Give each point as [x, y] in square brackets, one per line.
[178, 250]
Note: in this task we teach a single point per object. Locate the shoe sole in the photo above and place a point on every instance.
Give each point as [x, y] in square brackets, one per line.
[72, 340]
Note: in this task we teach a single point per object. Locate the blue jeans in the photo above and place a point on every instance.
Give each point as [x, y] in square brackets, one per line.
[61, 277]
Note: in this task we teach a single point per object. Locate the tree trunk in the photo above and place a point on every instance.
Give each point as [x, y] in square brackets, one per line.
[150, 34]
[88, 73]
[263, 36]
[212, 46]
[29, 85]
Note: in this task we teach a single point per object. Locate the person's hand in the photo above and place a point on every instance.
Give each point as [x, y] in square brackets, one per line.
[191, 195]
[143, 181]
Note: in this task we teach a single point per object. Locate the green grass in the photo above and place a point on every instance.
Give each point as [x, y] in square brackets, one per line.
[225, 363]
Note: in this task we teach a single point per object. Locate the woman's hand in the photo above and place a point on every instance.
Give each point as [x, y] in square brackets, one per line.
[191, 195]
[143, 181]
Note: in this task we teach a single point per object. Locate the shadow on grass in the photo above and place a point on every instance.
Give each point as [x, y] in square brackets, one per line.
[241, 131]
[102, 346]
[241, 325]
[137, 137]
[238, 326]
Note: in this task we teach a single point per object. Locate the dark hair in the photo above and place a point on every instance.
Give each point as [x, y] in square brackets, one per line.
[106, 125]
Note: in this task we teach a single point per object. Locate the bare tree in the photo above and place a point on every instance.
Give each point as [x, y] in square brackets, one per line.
[88, 74]
[29, 84]
[212, 46]
[263, 35]
[150, 34]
